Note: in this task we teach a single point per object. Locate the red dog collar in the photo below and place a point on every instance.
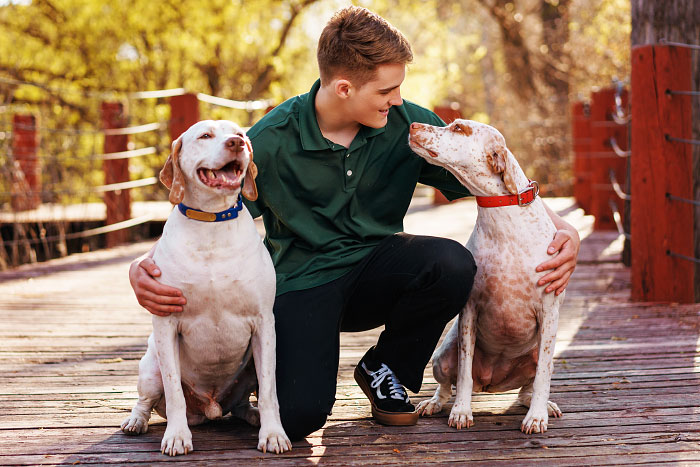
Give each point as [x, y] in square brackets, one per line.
[523, 198]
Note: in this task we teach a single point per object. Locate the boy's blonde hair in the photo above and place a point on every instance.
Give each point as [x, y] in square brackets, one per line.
[355, 41]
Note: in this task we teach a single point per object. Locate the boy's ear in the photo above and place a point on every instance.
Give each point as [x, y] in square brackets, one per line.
[343, 88]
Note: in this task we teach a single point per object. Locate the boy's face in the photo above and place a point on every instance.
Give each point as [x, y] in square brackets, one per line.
[369, 105]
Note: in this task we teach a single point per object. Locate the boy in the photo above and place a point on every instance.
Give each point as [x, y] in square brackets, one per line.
[336, 177]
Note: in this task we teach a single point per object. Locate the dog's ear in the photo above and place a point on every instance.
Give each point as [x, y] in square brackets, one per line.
[503, 162]
[250, 190]
[171, 175]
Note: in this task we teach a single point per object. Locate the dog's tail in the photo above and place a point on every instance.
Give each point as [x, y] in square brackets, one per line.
[213, 410]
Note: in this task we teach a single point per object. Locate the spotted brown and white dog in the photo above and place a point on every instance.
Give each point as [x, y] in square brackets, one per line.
[505, 336]
[202, 363]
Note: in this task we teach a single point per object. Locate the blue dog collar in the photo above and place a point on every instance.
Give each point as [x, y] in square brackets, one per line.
[198, 215]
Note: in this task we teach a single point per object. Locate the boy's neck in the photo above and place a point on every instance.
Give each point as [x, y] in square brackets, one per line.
[333, 119]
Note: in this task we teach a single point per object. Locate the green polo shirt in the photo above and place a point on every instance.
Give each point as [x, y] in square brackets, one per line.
[326, 206]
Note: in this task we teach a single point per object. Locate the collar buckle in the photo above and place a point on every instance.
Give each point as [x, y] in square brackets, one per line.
[532, 186]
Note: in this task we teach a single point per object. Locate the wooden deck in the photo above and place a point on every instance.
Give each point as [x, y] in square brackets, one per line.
[627, 376]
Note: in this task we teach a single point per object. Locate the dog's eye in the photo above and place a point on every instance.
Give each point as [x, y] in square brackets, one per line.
[205, 136]
[457, 129]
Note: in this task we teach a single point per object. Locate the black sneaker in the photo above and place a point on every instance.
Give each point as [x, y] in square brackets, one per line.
[390, 402]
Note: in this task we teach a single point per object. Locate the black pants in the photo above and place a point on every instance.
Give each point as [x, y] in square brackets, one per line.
[414, 285]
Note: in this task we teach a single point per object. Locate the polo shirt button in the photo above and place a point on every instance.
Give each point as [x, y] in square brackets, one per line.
[347, 155]
[349, 172]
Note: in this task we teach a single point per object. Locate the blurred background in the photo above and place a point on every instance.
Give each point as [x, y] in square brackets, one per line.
[514, 65]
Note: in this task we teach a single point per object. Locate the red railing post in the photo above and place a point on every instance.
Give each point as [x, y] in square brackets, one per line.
[26, 172]
[184, 112]
[118, 202]
[661, 168]
[448, 115]
[603, 157]
[581, 135]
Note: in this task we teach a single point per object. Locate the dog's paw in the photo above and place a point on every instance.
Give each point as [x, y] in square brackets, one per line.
[429, 406]
[535, 421]
[274, 441]
[134, 425]
[553, 410]
[461, 416]
[176, 441]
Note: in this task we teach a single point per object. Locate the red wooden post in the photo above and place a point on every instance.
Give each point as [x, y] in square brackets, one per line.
[603, 157]
[581, 135]
[118, 202]
[184, 112]
[26, 173]
[661, 167]
[448, 115]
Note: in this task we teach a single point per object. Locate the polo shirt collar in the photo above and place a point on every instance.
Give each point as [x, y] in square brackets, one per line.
[310, 134]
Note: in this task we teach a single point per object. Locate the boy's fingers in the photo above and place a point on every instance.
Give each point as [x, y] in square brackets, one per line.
[150, 267]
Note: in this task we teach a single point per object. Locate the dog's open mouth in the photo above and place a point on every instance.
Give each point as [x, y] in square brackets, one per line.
[228, 176]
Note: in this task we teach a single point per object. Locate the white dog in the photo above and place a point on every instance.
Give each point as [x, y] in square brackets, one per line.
[506, 333]
[198, 364]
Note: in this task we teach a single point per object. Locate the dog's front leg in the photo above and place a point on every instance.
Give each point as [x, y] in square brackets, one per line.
[177, 438]
[271, 436]
[537, 417]
[461, 414]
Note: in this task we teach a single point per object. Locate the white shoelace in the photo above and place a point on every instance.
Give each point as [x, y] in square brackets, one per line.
[396, 390]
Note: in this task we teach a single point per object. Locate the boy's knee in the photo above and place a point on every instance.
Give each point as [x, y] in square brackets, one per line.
[300, 422]
[457, 270]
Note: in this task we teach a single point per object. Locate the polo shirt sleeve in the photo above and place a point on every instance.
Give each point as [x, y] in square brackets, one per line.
[439, 177]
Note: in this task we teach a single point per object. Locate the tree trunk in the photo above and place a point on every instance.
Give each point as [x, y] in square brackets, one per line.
[675, 21]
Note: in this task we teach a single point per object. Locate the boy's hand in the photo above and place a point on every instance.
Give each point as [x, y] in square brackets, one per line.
[157, 298]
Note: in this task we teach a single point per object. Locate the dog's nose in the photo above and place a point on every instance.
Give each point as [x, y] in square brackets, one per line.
[235, 143]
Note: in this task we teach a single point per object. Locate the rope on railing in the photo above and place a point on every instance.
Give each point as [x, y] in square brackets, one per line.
[617, 188]
[618, 150]
[110, 156]
[618, 219]
[125, 185]
[682, 200]
[132, 130]
[679, 44]
[97, 189]
[682, 93]
[619, 115]
[231, 104]
[678, 255]
[85, 233]
[157, 94]
[681, 140]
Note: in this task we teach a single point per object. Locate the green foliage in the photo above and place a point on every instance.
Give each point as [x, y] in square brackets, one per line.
[86, 51]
